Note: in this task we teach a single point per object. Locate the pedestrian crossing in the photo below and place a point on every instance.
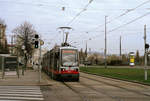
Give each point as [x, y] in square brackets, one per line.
[20, 93]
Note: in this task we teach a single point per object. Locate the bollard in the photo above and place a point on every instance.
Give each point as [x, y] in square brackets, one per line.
[23, 70]
[17, 66]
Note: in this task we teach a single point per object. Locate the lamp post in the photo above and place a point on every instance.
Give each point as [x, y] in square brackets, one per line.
[23, 48]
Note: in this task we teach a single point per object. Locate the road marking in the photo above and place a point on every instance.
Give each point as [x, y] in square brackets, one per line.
[25, 95]
[19, 93]
[22, 98]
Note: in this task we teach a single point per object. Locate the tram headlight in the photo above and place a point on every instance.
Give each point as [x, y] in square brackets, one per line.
[77, 70]
[62, 69]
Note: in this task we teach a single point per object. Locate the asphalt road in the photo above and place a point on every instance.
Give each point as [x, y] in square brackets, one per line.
[95, 88]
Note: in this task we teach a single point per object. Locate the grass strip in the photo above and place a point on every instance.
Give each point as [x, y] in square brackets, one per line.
[129, 74]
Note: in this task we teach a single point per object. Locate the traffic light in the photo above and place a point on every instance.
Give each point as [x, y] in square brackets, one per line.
[36, 42]
[146, 46]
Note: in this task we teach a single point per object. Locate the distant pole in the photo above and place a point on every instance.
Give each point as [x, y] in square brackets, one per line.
[86, 49]
[63, 35]
[3, 68]
[145, 68]
[105, 51]
[40, 67]
[12, 44]
[120, 48]
[17, 63]
[86, 54]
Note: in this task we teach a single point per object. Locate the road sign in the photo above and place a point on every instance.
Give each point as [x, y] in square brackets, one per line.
[41, 42]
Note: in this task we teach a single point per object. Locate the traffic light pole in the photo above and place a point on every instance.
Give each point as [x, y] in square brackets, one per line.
[37, 44]
[145, 68]
[40, 64]
[105, 51]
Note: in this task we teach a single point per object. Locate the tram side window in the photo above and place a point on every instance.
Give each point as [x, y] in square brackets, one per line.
[48, 60]
[56, 59]
[51, 60]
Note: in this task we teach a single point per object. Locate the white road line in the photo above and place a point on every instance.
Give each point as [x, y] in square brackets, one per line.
[25, 95]
[18, 87]
[22, 98]
[23, 90]
[10, 100]
[20, 93]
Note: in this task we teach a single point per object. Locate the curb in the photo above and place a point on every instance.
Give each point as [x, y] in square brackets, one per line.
[116, 78]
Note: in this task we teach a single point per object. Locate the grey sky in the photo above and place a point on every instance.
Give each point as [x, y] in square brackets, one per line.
[47, 16]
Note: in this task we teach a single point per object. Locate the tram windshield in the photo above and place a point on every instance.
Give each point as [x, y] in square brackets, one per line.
[69, 58]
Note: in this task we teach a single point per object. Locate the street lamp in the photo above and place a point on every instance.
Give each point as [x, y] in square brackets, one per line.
[23, 48]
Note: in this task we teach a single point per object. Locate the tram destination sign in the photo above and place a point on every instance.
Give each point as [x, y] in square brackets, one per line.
[69, 51]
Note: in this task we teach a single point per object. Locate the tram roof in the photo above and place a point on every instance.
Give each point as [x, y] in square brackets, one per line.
[67, 47]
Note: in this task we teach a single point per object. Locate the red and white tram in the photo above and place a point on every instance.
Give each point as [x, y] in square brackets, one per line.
[62, 63]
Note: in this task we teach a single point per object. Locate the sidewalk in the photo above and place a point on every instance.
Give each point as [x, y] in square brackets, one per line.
[30, 78]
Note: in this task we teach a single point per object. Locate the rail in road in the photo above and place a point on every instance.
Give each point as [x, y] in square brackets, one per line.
[96, 88]
[20, 93]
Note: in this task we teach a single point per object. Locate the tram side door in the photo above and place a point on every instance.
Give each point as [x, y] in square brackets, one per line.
[56, 61]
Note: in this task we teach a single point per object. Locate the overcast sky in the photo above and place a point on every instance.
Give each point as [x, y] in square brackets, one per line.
[47, 16]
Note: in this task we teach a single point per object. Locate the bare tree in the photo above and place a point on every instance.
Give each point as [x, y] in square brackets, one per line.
[24, 34]
[2, 22]
[3, 47]
[137, 57]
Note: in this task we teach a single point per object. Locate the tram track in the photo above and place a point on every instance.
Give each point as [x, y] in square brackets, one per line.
[106, 94]
[102, 92]
[82, 96]
[95, 88]
[123, 88]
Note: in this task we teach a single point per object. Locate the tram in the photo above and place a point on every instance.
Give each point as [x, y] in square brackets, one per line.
[62, 62]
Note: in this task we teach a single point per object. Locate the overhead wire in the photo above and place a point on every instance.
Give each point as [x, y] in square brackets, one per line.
[78, 14]
[122, 25]
[123, 14]
[129, 22]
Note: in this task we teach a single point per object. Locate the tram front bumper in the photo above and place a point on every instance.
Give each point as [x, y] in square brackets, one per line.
[69, 76]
